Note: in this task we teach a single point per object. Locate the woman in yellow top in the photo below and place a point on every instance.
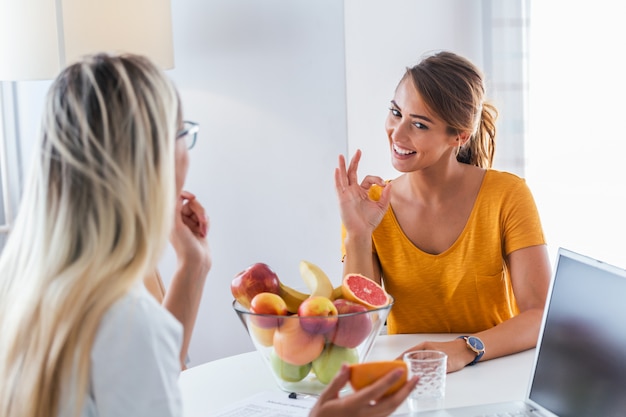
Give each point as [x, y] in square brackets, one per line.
[457, 244]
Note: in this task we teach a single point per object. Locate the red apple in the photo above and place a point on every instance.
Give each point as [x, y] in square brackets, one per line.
[254, 279]
[268, 305]
[318, 314]
[351, 330]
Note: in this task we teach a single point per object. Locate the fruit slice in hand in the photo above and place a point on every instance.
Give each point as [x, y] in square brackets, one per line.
[364, 374]
[316, 280]
[360, 289]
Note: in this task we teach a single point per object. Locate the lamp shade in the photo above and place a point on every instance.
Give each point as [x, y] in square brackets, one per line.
[38, 38]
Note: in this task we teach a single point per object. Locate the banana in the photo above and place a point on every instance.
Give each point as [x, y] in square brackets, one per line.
[337, 293]
[316, 280]
[293, 298]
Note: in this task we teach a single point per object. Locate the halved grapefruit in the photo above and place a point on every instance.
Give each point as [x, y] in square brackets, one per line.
[362, 290]
[366, 373]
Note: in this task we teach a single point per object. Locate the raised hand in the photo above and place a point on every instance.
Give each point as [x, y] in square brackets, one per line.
[188, 236]
[359, 213]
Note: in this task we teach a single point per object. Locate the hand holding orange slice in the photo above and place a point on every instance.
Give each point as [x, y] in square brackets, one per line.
[366, 373]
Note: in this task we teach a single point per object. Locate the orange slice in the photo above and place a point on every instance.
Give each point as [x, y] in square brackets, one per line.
[366, 373]
[360, 289]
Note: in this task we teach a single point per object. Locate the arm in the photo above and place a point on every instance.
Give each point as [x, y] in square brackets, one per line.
[188, 238]
[360, 215]
[530, 275]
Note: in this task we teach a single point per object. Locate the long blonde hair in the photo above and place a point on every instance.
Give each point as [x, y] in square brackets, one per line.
[94, 218]
[454, 89]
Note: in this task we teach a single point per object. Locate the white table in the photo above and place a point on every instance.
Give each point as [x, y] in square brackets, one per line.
[209, 387]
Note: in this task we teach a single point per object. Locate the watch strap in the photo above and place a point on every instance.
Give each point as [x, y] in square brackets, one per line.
[479, 353]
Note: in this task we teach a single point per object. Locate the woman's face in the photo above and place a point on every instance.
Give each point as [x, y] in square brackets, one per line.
[418, 139]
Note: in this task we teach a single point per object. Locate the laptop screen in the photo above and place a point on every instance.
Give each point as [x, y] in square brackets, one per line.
[581, 362]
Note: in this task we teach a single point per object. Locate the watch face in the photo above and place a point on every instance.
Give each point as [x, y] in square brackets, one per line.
[476, 343]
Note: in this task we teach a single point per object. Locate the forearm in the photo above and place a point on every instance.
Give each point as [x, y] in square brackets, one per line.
[358, 258]
[183, 297]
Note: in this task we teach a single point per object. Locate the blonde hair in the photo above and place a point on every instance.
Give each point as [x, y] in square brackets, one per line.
[95, 216]
[453, 88]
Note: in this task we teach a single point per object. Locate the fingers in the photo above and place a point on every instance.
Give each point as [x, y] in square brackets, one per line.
[193, 214]
[352, 168]
[332, 390]
[376, 390]
[343, 177]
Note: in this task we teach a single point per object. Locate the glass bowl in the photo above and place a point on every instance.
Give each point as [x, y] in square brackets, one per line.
[304, 353]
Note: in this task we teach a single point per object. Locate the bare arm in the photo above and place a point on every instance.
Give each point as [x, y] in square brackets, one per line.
[188, 238]
[530, 274]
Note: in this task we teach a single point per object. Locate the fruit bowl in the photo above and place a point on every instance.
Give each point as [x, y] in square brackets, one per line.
[304, 353]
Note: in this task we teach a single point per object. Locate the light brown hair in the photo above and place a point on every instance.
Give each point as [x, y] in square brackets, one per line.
[453, 88]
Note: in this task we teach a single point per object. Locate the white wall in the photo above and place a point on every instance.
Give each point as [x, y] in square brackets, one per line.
[266, 81]
[383, 38]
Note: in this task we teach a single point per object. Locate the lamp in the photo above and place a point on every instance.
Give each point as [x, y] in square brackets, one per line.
[38, 38]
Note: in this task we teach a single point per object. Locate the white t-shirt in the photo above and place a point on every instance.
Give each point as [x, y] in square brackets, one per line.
[135, 361]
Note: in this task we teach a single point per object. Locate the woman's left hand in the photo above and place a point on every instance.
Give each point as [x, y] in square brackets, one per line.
[458, 353]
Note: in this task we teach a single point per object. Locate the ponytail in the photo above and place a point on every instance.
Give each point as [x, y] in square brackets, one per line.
[480, 148]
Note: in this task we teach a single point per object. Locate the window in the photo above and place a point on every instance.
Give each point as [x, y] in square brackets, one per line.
[575, 148]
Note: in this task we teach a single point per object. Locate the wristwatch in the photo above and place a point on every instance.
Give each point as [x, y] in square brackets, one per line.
[476, 345]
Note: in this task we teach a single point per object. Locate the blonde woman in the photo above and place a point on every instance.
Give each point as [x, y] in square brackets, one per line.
[81, 334]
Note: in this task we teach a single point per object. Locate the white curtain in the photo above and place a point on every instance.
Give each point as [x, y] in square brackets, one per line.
[10, 160]
[505, 53]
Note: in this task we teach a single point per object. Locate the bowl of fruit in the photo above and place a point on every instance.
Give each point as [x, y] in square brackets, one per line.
[306, 336]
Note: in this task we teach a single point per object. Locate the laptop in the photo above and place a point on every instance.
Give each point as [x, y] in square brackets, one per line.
[580, 360]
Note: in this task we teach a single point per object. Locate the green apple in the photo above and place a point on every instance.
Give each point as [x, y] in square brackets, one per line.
[328, 363]
[286, 371]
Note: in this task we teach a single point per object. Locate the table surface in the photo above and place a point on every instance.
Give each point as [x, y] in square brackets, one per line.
[211, 386]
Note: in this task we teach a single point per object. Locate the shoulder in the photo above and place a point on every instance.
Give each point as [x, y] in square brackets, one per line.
[503, 177]
[504, 183]
[135, 358]
[138, 315]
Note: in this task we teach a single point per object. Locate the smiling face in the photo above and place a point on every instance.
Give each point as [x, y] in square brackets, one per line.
[418, 138]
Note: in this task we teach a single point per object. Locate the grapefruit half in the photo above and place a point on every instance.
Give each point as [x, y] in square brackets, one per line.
[362, 290]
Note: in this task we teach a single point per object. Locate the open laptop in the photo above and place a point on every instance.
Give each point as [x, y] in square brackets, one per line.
[580, 361]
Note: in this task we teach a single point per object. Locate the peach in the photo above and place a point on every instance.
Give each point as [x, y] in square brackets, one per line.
[268, 305]
[264, 337]
[318, 314]
[351, 330]
[296, 346]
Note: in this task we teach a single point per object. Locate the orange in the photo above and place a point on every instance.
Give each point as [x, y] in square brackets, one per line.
[366, 373]
[360, 289]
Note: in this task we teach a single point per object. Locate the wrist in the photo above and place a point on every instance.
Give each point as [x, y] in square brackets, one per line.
[474, 345]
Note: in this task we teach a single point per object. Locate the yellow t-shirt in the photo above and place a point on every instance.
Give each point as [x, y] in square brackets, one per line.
[467, 288]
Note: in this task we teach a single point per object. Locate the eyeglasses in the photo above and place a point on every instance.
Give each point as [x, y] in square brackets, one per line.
[189, 133]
